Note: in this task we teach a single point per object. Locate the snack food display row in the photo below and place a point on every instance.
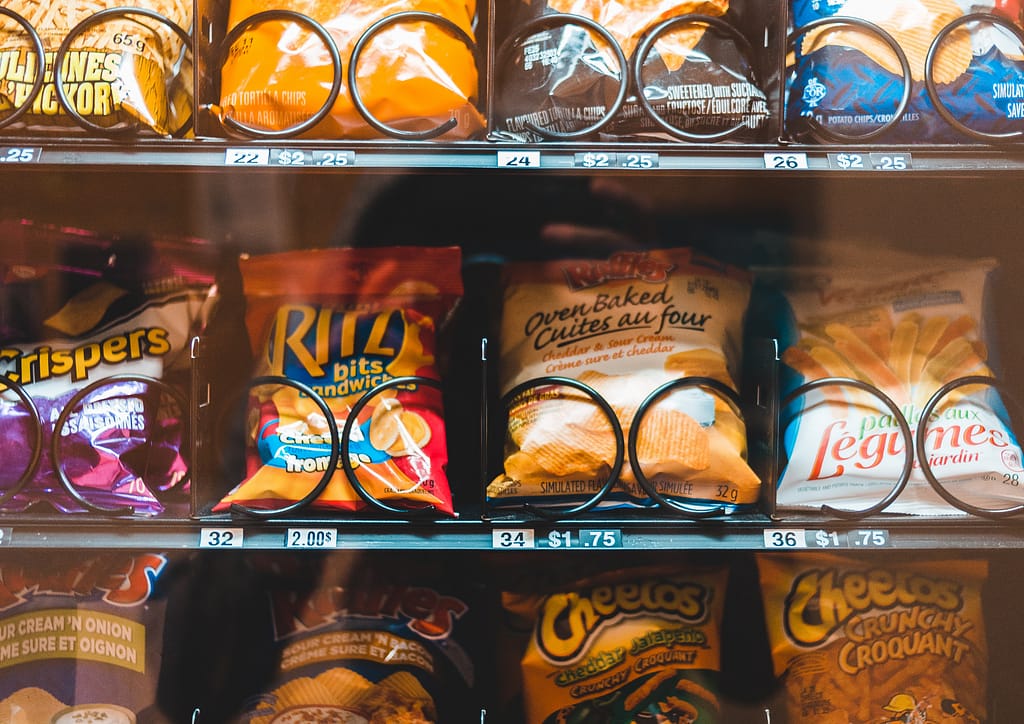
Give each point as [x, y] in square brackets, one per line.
[907, 72]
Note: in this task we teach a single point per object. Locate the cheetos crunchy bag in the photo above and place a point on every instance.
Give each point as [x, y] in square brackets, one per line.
[342, 322]
[624, 326]
[858, 641]
[631, 645]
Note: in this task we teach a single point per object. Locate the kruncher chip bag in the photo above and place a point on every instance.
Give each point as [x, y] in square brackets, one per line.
[128, 69]
[79, 308]
[858, 641]
[373, 643]
[628, 646]
[849, 80]
[413, 75]
[81, 637]
[564, 78]
[906, 333]
[343, 321]
[624, 326]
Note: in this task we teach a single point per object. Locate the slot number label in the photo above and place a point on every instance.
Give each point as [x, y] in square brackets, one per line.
[582, 539]
[782, 539]
[510, 539]
[221, 538]
[247, 157]
[518, 159]
[785, 161]
[18, 154]
[311, 538]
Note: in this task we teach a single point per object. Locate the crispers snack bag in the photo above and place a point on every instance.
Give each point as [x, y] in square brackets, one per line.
[342, 322]
[870, 640]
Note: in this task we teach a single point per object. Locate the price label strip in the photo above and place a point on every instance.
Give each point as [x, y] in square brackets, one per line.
[221, 537]
[870, 161]
[510, 539]
[792, 539]
[311, 538]
[20, 154]
[583, 538]
[605, 159]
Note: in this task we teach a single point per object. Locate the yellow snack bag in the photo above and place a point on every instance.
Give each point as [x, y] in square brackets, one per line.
[630, 645]
[865, 640]
[624, 327]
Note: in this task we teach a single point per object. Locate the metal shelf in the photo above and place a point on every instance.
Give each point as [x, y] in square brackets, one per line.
[622, 158]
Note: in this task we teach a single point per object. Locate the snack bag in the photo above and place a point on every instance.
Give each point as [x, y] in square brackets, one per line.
[128, 69]
[412, 75]
[344, 321]
[373, 642]
[906, 333]
[564, 78]
[849, 80]
[629, 645]
[80, 308]
[863, 641]
[81, 637]
[623, 326]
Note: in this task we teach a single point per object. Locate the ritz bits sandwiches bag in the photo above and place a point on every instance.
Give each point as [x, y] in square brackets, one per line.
[862, 641]
[413, 75]
[629, 646]
[373, 643]
[79, 308]
[907, 334]
[623, 326]
[81, 638]
[343, 321]
[128, 69]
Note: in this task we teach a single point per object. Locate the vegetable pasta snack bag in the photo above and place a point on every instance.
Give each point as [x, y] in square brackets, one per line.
[413, 76]
[866, 640]
[564, 78]
[344, 321]
[80, 308]
[906, 333]
[623, 326]
[379, 643]
[848, 79]
[632, 645]
[127, 69]
[82, 637]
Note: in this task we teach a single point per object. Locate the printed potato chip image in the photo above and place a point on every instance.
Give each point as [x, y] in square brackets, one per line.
[623, 327]
[29, 705]
[858, 640]
[906, 335]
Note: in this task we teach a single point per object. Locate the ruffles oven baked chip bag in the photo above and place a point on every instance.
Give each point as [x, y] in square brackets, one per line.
[848, 79]
[906, 332]
[623, 326]
[629, 645]
[866, 640]
[412, 75]
[125, 70]
[80, 309]
[342, 322]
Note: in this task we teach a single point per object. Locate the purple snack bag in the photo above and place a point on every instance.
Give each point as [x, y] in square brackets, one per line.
[83, 317]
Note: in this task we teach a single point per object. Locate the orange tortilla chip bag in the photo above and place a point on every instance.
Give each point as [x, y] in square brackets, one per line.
[343, 322]
[624, 327]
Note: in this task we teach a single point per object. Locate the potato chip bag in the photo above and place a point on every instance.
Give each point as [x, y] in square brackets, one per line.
[80, 308]
[866, 640]
[378, 641]
[849, 79]
[623, 326]
[628, 645]
[342, 322]
[412, 75]
[128, 69]
[81, 637]
[906, 332]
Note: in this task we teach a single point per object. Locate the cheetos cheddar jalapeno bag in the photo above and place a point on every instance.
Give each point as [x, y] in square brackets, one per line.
[342, 322]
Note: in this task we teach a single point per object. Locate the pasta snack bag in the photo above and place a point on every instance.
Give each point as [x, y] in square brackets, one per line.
[907, 334]
[631, 645]
[342, 322]
[861, 641]
[623, 326]
[412, 75]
